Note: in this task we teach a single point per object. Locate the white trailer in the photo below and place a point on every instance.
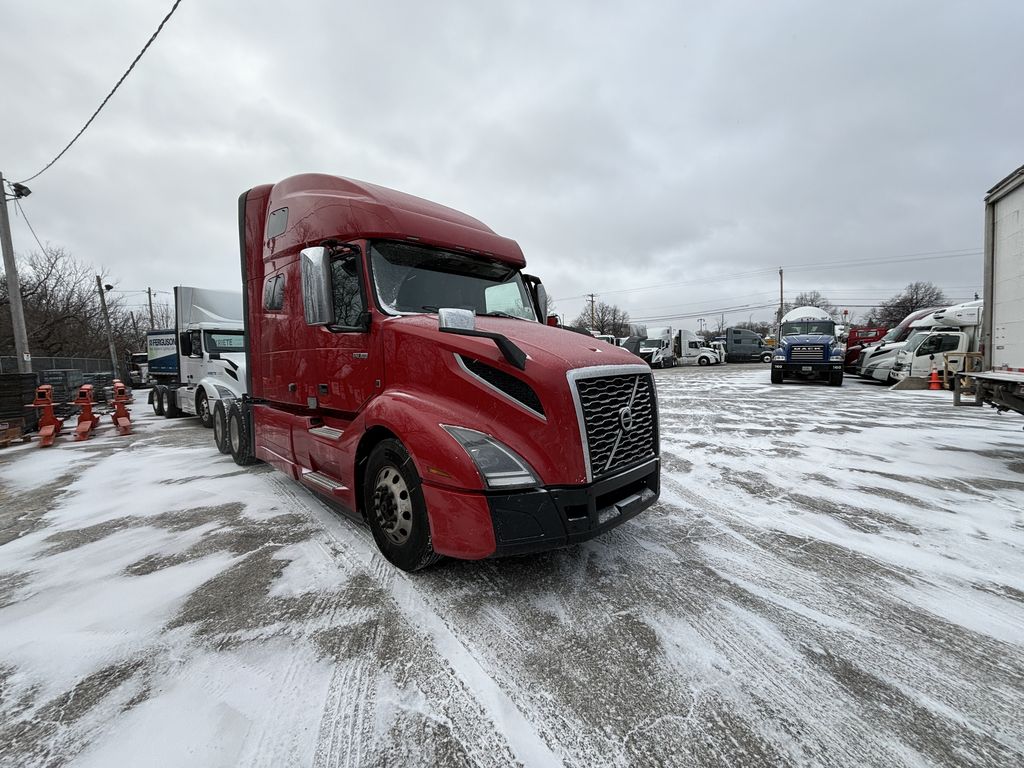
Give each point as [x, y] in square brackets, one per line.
[1001, 384]
[209, 337]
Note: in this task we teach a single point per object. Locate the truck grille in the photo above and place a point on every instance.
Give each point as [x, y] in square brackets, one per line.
[807, 353]
[619, 416]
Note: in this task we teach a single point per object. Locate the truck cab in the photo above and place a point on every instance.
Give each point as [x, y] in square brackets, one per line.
[397, 366]
[745, 346]
[691, 349]
[808, 348]
[928, 350]
[657, 350]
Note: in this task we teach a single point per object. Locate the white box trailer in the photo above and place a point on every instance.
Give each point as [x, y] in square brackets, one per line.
[1001, 383]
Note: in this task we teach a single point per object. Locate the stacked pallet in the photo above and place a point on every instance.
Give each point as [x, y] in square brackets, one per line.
[16, 391]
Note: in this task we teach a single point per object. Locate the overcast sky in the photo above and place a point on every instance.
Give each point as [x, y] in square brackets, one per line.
[669, 157]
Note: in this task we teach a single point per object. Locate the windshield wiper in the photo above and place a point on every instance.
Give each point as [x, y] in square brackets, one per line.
[499, 313]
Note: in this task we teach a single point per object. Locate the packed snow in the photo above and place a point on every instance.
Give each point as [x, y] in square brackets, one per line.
[831, 577]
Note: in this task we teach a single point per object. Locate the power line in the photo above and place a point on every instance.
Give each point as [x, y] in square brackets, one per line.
[838, 264]
[112, 91]
[22, 212]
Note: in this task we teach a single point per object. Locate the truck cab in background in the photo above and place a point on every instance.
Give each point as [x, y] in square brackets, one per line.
[808, 348]
[745, 346]
[658, 349]
[878, 358]
[857, 339]
[956, 331]
[691, 349]
[397, 366]
[202, 359]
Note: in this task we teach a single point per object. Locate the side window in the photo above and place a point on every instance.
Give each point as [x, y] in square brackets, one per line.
[505, 297]
[273, 293]
[950, 343]
[348, 296]
[277, 222]
[693, 345]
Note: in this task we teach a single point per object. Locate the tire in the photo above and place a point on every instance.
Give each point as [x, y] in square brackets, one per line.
[203, 409]
[776, 376]
[157, 398]
[219, 417]
[171, 404]
[239, 433]
[835, 379]
[766, 357]
[703, 361]
[395, 509]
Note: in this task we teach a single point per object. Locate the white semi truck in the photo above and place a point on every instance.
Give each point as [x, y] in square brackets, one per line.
[657, 349]
[956, 331]
[691, 349]
[1001, 383]
[202, 359]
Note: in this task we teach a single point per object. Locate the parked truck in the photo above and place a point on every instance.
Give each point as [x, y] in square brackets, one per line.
[657, 350]
[956, 332]
[875, 360]
[691, 349]
[201, 360]
[745, 346]
[808, 348]
[1001, 382]
[398, 365]
[857, 339]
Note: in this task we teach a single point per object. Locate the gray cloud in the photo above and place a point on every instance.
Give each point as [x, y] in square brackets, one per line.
[622, 146]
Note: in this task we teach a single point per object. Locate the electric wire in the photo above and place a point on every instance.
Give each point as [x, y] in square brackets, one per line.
[21, 210]
[112, 91]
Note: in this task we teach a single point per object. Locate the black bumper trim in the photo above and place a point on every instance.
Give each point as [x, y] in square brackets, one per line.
[549, 518]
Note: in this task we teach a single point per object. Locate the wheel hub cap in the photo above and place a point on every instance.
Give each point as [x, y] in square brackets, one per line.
[392, 505]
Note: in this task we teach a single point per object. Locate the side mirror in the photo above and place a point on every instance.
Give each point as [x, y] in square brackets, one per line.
[542, 300]
[317, 296]
[553, 321]
[456, 319]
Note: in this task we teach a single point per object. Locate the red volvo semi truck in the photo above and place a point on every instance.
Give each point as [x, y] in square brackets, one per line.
[399, 363]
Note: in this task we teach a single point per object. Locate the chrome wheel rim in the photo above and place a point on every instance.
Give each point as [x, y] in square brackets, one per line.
[218, 431]
[392, 505]
[233, 434]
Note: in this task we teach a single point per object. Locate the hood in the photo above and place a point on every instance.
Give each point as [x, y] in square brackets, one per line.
[545, 346]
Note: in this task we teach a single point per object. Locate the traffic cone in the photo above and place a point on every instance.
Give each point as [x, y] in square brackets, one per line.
[933, 380]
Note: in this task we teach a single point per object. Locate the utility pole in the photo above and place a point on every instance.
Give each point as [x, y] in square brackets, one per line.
[593, 321]
[106, 321]
[152, 323]
[13, 286]
[782, 306]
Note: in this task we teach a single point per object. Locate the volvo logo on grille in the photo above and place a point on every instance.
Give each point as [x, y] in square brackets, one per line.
[626, 419]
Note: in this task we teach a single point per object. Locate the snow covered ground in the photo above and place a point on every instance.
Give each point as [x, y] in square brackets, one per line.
[814, 588]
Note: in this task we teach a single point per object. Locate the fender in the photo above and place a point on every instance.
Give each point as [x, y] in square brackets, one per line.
[438, 458]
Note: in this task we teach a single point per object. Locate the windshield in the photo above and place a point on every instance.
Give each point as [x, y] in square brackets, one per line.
[813, 327]
[415, 279]
[224, 341]
[915, 340]
[650, 344]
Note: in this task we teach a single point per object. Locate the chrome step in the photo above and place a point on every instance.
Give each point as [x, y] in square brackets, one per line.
[323, 482]
[329, 432]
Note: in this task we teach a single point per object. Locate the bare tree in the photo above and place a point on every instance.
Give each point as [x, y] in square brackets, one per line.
[814, 299]
[919, 295]
[604, 318]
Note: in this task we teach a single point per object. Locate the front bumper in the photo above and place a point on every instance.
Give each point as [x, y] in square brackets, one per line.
[807, 369]
[548, 518]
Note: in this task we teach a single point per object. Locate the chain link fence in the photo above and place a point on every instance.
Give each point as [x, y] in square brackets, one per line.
[83, 364]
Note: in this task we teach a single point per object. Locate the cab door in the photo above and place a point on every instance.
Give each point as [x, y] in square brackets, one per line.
[931, 350]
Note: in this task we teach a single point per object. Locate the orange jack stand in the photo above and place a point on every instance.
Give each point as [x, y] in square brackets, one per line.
[49, 425]
[87, 420]
[121, 417]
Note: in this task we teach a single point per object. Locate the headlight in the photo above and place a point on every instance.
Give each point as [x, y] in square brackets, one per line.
[780, 356]
[499, 465]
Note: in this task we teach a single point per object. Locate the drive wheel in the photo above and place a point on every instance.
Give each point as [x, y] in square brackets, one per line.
[238, 436]
[203, 409]
[171, 404]
[835, 379]
[220, 427]
[395, 509]
[157, 398]
[776, 376]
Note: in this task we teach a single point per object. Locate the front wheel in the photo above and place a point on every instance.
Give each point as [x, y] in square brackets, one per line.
[703, 361]
[395, 508]
[835, 379]
[203, 409]
[776, 376]
[766, 357]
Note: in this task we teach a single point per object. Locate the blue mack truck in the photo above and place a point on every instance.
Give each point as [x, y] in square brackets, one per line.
[808, 348]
